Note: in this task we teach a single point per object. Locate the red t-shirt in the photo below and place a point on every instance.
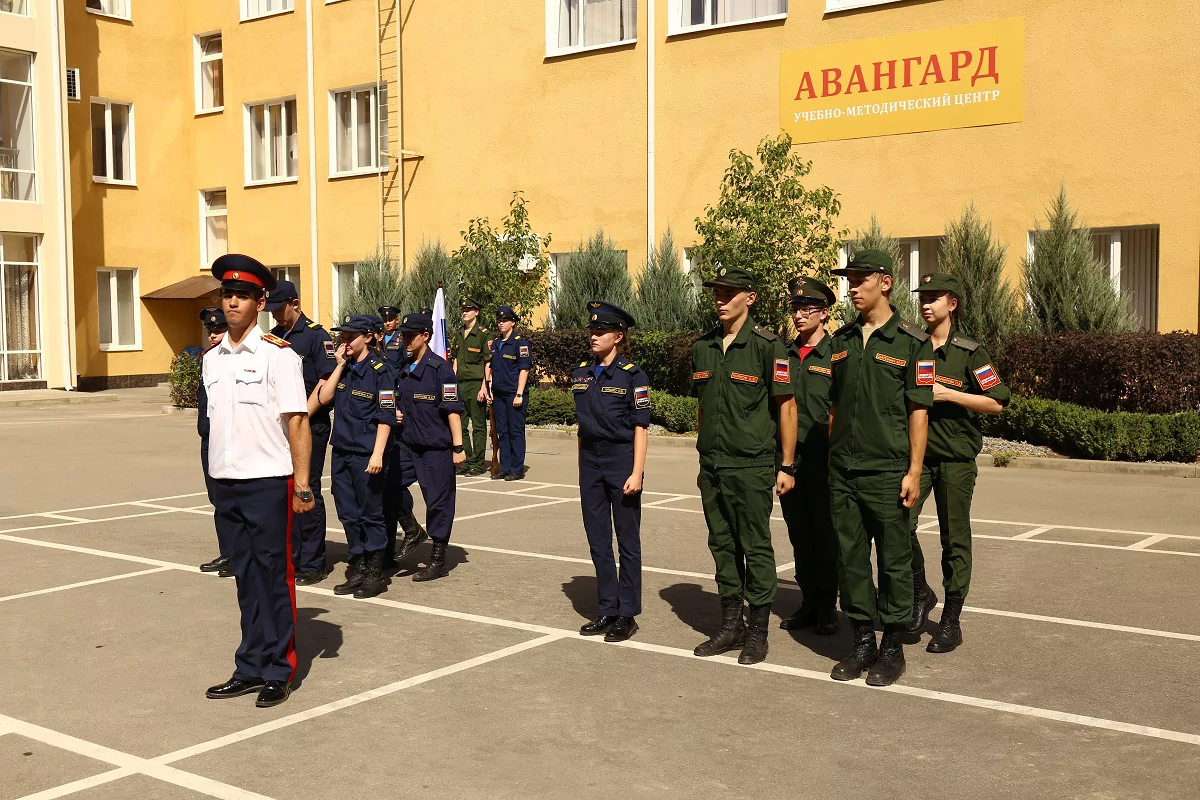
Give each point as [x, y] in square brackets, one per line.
[805, 350]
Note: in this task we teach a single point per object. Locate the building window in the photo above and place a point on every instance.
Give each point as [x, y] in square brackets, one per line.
[919, 257]
[252, 9]
[112, 142]
[15, 7]
[693, 15]
[358, 135]
[117, 301]
[345, 278]
[110, 8]
[210, 73]
[17, 165]
[271, 142]
[214, 226]
[574, 25]
[1131, 255]
[845, 5]
[20, 320]
[288, 273]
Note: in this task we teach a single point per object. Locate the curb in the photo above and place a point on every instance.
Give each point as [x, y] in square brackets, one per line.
[187, 412]
[655, 441]
[1107, 467]
[71, 399]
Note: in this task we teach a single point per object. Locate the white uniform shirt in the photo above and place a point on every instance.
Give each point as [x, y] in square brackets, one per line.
[249, 388]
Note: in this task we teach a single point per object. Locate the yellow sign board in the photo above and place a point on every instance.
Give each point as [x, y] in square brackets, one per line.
[950, 78]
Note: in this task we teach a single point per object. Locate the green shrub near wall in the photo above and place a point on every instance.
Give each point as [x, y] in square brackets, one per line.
[550, 407]
[184, 381]
[665, 357]
[556, 407]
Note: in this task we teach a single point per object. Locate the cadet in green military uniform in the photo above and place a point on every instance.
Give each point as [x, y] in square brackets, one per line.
[965, 382]
[806, 508]
[742, 377]
[470, 356]
[882, 391]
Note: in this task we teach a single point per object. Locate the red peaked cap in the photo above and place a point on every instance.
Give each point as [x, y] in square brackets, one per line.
[236, 271]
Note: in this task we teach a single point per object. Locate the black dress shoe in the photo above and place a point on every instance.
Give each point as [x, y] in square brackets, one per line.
[220, 562]
[598, 626]
[309, 577]
[225, 572]
[234, 687]
[499, 476]
[515, 476]
[273, 693]
[621, 630]
[805, 617]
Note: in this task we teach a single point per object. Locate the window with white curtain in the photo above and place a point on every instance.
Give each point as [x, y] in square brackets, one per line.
[117, 301]
[112, 142]
[214, 226]
[210, 73]
[692, 15]
[15, 7]
[920, 257]
[345, 278]
[573, 25]
[20, 349]
[358, 130]
[289, 273]
[264, 8]
[845, 5]
[17, 163]
[109, 8]
[271, 142]
[1131, 255]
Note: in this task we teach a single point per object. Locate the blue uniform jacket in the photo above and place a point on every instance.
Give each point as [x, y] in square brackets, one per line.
[312, 343]
[365, 398]
[428, 391]
[508, 359]
[610, 402]
[394, 351]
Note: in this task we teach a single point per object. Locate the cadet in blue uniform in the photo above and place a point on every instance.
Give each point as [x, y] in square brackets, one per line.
[312, 343]
[612, 402]
[506, 377]
[363, 393]
[393, 343]
[213, 319]
[430, 438]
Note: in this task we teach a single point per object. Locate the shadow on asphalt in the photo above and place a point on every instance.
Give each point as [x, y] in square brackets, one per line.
[315, 638]
[581, 591]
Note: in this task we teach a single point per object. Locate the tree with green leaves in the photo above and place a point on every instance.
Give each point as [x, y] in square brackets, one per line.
[431, 265]
[596, 270]
[378, 281]
[506, 265]
[1067, 287]
[667, 299]
[768, 222]
[902, 298]
[987, 311]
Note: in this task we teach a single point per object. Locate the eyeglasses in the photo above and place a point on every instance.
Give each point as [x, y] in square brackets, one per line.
[807, 310]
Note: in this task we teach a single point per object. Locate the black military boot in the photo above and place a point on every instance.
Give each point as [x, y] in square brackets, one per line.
[888, 668]
[861, 657]
[414, 535]
[436, 567]
[373, 582]
[733, 630]
[924, 601]
[757, 622]
[827, 622]
[805, 617]
[354, 576]
[949, 634]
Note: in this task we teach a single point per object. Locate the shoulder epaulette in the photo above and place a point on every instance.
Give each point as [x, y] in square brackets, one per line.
[314, 324]
[914, 331]
[766, 334]
[965, 343]
[516, 337]
[630, 367]
[377, 365]
[275, 340]
[583, 363]
[210, 347]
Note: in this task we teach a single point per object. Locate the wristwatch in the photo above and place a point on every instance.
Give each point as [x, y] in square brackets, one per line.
[305, 495]
[458, 448]
[789, 469]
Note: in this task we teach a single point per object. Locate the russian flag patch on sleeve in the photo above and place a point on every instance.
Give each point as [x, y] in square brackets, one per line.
[641, 396]
[449, 392]
[387, 398]
[329, 349]
[925, 375]
[524, 351]
[987, 377]
[783, 371]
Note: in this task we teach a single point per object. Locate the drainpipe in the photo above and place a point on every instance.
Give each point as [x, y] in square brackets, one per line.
[315, 294]
[60, 139]
[653, 35]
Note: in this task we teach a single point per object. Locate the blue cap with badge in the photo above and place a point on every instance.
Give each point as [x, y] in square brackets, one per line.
[608, 316]
[283, 293]
[389, 312]
[506, 313]
[213, 318]
[416, 323]
[355, 323]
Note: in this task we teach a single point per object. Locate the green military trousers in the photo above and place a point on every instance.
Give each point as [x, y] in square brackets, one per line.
[810, 527]
[474, 414]
[866, 508]
[953, 486]
[737, 507]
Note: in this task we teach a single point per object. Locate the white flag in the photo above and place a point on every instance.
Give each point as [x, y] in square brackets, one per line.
[439, 343]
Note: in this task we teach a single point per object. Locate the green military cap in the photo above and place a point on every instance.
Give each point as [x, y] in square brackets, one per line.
[736, 277]
[804, 288]
[940, 282]
[468, 302]
[867, 261]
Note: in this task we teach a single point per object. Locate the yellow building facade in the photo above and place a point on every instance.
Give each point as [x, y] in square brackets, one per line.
[307, 133]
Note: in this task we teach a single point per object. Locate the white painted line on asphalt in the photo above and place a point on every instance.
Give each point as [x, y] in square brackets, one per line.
[510, 494]
[353, 700]
[785, 567]
[1082, 623]
[80, 785]
[518, 508]
[573, 560]
[925, 526]
[93, 582]
[89, 418]
[1148, 541]
[65, 517]
[107, 505]
[1031, 533]
[72, 548]
[672, 499]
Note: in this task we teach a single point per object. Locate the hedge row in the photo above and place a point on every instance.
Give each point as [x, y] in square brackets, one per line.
[1108, 436]
[556, 407]
[1151, 373]
[665, 357]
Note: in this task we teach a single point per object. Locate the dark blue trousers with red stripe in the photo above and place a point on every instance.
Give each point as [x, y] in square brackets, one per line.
[254, 519]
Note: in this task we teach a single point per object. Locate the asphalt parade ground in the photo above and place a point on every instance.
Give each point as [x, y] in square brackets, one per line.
[1078, 677]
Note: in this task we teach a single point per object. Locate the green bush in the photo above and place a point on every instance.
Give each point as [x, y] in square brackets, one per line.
[666, 298]
[184, 381]
[987, 310]
[378, 282]
[1107, 436]
[418, 288]
[550, 407]
[904, 301]
[594, 271]
[675, 413]
[505, 265]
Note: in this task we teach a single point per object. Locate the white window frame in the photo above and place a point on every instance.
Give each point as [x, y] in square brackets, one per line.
[382, 162]
[676, 27]
[114, 315]
[248, 138]
[289, 6]
[206, 258]
[833, 6]
[40, 352]
[283, 272]
[24, 13]
[127, 16]
[335, 295]
[33, 132]
[553, 7]
[108, 142]
[201, 60]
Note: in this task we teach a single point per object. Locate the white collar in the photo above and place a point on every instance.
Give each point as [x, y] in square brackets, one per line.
[249, 343]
